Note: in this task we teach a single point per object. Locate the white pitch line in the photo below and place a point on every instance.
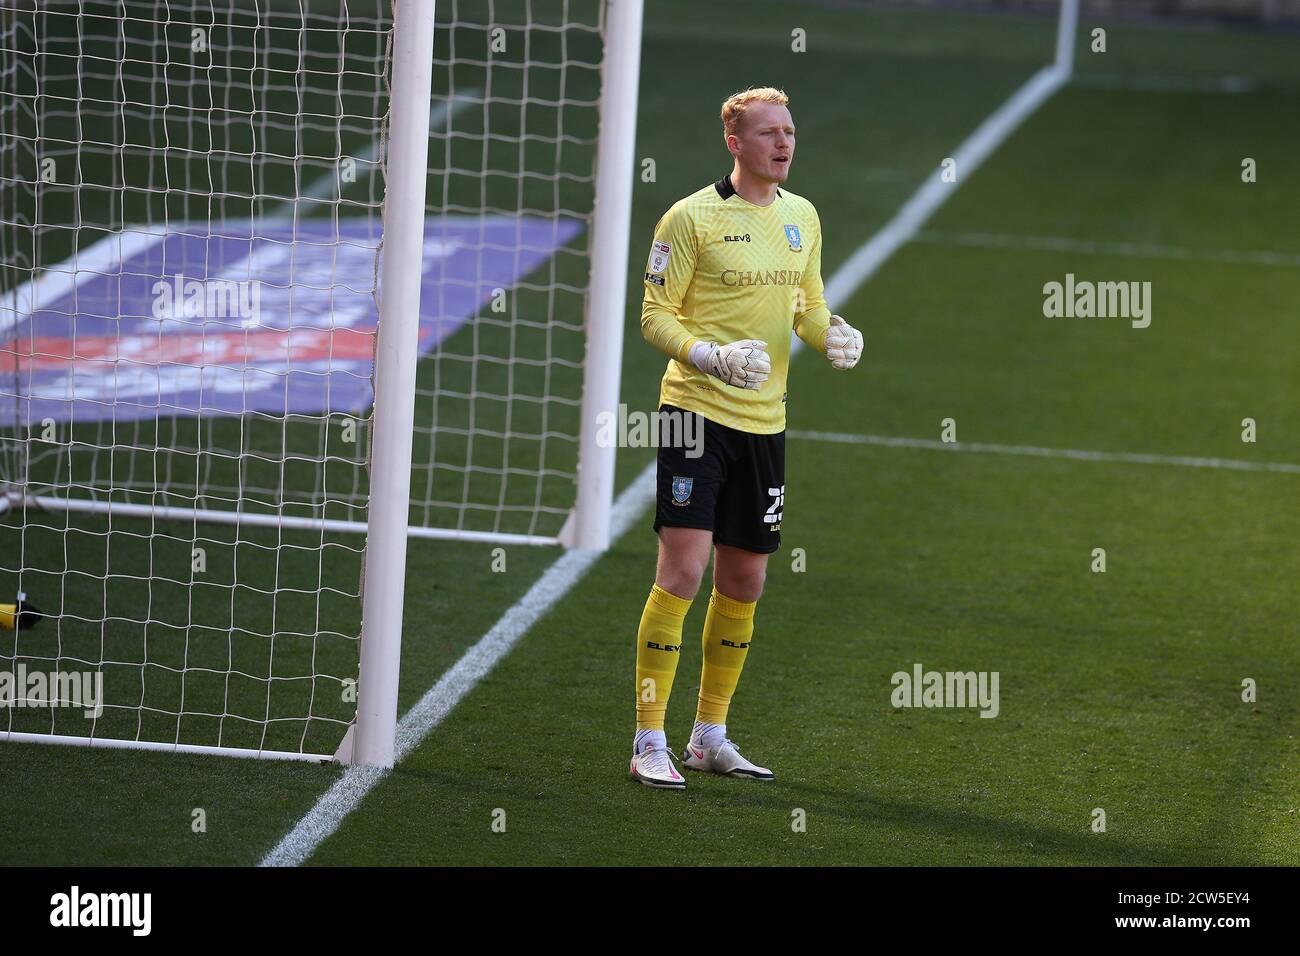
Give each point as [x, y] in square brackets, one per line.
[1140, 83]
[934, 192]
[1138, 250]
[349, 790]
[326, 187]
[439, 700]
[1032, 451]
[93, 262]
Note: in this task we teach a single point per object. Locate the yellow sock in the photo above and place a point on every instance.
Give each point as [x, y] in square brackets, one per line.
[8, 617]
[658, 648]
[728, 627]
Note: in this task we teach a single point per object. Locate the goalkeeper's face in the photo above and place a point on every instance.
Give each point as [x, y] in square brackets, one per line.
[763, 144]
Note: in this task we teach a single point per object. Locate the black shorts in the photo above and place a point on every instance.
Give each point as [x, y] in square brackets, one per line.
[721, 480]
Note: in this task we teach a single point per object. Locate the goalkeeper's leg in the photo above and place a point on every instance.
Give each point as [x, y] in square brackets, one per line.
[683, 555]
[728, 631]
[687, 495]
[748, 529]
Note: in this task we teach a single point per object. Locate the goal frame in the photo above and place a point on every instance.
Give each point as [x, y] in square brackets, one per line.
[371, 739]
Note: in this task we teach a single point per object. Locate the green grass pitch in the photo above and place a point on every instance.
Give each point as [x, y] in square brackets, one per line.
[1120, 691]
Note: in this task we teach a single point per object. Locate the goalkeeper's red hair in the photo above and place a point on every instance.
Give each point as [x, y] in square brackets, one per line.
[737, 105]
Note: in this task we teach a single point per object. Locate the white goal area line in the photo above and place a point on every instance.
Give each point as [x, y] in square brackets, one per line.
[439, 700]
[1164, 83]
[1133, 250]
[347, 793]
[1034, 451]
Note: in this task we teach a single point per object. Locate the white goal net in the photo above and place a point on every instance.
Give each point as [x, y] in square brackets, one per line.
[192, 229]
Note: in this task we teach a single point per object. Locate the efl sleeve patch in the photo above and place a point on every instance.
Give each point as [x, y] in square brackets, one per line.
[660, 253]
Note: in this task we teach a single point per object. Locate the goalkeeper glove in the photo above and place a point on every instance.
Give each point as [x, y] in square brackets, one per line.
[843, 343]
[744, 364]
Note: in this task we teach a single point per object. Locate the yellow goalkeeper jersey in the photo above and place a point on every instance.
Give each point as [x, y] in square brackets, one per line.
[720, 270]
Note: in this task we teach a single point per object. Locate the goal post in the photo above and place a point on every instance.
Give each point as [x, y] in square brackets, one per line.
[384, 582]
[1067, 24]
[284, 286]
[609, 261]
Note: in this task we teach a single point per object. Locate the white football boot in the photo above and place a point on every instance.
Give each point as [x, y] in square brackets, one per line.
[724, 759]
[654, 768]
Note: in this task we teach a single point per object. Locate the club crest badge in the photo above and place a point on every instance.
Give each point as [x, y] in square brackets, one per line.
[792, 236]
[682, 490]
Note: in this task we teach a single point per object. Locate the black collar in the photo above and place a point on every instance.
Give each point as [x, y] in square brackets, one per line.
[726, 190]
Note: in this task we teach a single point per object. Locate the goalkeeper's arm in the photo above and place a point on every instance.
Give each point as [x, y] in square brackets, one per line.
[840, 342]
[743, 364]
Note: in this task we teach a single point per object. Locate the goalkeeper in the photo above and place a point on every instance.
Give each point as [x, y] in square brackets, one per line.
[733, 269]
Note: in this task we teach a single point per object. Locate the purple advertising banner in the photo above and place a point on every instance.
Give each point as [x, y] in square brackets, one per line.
[220, 321]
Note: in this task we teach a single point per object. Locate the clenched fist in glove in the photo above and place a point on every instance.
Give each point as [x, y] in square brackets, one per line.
[843, 343]
[744, 364]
